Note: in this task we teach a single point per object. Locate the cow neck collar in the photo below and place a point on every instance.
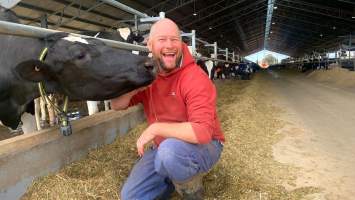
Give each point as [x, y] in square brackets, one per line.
[65, 127]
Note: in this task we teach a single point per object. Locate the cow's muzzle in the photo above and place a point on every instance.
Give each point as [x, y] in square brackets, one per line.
[149, 65]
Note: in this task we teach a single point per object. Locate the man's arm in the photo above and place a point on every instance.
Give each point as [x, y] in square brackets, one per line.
[182, 131]
[122, 102]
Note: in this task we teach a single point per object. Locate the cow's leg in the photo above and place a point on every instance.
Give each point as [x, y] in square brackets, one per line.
[37, 113]
[28, 123]
[107, 105]
[92, 107]
[51, 113]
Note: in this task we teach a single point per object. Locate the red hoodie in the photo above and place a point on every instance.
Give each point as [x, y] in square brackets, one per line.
[184, 95]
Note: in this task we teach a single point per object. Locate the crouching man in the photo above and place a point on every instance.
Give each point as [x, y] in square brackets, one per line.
[180, 106]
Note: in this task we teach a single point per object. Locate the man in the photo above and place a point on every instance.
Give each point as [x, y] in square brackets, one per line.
[180, 106]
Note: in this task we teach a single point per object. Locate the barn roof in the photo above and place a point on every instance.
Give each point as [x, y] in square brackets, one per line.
[296, 27]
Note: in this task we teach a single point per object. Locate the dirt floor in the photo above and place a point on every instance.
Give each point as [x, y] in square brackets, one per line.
[320, 130]
[288, 137]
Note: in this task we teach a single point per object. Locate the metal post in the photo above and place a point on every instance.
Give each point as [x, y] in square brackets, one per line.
[215, 50]
[233, 58]
[44, 22]
[226, 54]
[193, 42]
[349, 46]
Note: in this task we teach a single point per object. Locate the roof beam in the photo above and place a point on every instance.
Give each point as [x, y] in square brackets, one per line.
[225, 19]
[209, 14]
[318, 9]
[201, 12]
[270, 10]
[33, 7]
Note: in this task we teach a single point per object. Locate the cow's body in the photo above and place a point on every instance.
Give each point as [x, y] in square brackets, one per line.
[83, 69]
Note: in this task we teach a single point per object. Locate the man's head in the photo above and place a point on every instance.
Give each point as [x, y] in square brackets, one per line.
[165, 44]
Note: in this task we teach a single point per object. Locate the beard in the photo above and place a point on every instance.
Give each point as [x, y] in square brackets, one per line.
[166, 69]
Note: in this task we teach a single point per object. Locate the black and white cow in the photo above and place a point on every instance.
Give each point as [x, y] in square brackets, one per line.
[121, 35]
[208, 67]
[83, 69]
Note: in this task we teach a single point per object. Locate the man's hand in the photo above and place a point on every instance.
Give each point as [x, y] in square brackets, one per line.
[147, 136]
[122, 102]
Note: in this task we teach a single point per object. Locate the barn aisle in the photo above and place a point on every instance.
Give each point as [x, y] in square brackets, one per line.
[256, 162]
[320, 133]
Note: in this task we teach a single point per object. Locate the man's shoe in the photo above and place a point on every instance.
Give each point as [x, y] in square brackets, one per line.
[191, 189]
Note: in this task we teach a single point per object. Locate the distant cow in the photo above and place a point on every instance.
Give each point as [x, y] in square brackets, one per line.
[208, 67]
[83, 69]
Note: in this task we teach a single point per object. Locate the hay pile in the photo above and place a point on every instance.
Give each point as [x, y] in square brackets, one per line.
[246, 170]
[335, 75]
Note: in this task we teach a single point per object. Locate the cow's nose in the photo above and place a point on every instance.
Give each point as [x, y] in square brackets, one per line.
[149, 65]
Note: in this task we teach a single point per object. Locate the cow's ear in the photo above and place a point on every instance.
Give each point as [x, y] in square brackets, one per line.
[33, 70]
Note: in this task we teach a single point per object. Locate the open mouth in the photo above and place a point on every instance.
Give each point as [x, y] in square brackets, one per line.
[169, 57]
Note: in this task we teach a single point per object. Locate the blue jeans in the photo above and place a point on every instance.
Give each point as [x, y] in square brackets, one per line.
[173, 160]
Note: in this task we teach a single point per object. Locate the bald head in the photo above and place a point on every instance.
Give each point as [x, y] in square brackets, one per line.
[164, 24]
[165, 44]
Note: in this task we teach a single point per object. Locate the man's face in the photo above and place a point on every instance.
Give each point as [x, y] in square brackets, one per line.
[166, 48]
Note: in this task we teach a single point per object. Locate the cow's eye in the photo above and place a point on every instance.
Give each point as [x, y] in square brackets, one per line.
[81, 56]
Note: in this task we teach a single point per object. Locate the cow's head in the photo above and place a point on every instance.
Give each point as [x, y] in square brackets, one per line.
[87, 69]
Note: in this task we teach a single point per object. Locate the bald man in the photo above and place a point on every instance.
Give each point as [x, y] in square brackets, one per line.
[180, 107]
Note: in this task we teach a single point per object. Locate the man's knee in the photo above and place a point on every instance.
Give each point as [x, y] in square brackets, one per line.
[174, 160]
[167, 154]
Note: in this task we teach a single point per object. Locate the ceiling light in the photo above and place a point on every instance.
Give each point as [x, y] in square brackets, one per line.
[270, 31]
[353, 17]
[210, 28]
[275, 7]
[273, 22]
[321, 35]
[334, 27]
[194, 14]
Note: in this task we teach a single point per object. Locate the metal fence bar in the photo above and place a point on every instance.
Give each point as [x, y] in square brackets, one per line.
[125, 8]
[36, 32]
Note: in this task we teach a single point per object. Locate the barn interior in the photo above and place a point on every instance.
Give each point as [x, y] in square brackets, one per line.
[315, 88]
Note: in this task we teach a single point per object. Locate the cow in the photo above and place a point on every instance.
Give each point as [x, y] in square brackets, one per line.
[208, 67]
[244, 71]
[203, 66]
[81, 68]
[121, 35]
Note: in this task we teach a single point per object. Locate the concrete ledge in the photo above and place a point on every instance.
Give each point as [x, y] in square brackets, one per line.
[26, 157]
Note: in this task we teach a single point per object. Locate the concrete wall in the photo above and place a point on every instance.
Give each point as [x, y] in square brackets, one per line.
[26, 157]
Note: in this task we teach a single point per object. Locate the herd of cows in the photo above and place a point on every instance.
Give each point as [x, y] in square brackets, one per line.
[311, 65]
[224, 70]
[81, 68]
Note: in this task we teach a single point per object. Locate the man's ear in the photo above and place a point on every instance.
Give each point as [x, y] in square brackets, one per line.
[33, 70]
[149, 44]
